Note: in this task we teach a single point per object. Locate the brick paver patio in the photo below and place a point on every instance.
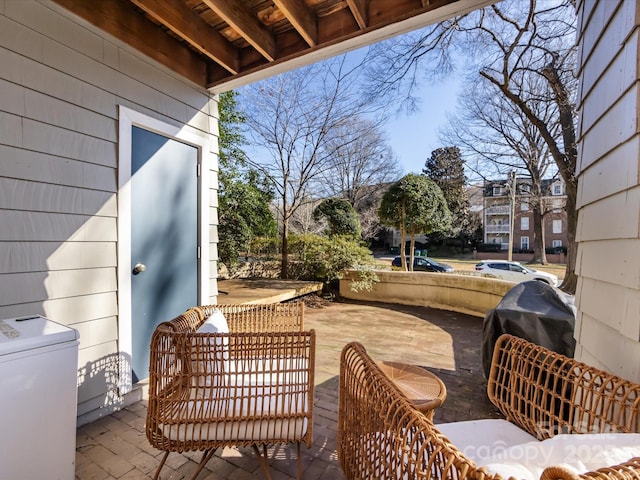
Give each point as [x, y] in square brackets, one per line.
[447, 343]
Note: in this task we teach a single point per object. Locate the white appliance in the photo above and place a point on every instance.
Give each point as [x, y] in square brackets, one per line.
[38, 399]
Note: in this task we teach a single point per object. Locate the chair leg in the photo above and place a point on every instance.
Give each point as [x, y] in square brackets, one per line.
[299, 462]
[164, 459]
[262, 459]
[206, 456]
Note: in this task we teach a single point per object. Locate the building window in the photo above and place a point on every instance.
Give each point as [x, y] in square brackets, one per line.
[524, 243]
[524, 223]
[557, 189]
[556, 243]
[497, 191]
[557, 226]
[524, 206]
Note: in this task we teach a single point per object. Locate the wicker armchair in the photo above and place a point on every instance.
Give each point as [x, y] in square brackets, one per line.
[546, 393]
[250, 387]
[380, 434]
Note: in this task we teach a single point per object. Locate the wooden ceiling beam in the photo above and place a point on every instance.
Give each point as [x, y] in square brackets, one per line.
[188, 25]
[117, 18]
[359, 11]
[235, 14]
[302, 19]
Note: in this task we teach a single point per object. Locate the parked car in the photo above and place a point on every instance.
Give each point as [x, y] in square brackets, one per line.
[423, 264]
[514, 272]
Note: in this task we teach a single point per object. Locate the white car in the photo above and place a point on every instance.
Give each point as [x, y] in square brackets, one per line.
[514, 272]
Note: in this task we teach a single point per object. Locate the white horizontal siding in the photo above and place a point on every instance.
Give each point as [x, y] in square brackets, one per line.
[39, 286]
[11, 98]
[597, 223]
[49, 227]
[615, 80]
[600, 41]
[20, 257]
[97, 375]
[596, 334]
[67, 143]
[618, 125]
[619, 313]
[608, 264]
[11, 131]
[74, 310]
[612, 261]
[70, 310]
[609, 175]
[52, 111]
[46, 197]
[61, 84]
[23, 164]
[98, 331]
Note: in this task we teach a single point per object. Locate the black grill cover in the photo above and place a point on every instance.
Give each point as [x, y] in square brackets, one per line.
[536, 312]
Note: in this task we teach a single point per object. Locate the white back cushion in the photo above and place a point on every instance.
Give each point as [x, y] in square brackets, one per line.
[215, 323]
[208, 362]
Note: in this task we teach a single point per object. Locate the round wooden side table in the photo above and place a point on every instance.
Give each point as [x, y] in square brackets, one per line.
[423, 389]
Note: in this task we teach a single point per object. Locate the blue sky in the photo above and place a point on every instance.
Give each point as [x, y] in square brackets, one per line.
[413, 137]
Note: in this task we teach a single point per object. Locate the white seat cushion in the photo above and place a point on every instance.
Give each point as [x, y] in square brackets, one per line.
[577, 453]
[503, 448]
[481, 439]
[233, 413]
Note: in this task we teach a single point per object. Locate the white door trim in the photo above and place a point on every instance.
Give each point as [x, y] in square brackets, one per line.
[127, 119]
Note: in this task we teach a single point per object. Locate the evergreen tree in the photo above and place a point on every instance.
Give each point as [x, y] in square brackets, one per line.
[243, 196]
[341, 217]
[446, 168]
[414, 205]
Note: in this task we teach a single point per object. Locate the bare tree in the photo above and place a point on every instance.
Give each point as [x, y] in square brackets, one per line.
[497, 136]
[361, 160]
[509, 44]
[302, 221]
[291, 118]
[362, 167]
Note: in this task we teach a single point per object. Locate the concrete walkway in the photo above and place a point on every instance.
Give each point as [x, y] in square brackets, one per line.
[447, 343]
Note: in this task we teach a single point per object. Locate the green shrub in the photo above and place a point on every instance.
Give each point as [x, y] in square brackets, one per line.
[320, 258]
[265, 246]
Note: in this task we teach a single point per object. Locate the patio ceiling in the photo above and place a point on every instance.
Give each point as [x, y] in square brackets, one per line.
[220, 44]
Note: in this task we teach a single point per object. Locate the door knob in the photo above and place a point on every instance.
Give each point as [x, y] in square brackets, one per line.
[139, 268]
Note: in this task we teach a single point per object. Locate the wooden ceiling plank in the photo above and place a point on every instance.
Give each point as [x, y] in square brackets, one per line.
[236, 15]
[188, 25]
[359, 11]
[117, 18]
[302, 19]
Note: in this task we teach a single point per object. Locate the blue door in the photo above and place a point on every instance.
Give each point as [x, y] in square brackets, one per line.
[164, 237]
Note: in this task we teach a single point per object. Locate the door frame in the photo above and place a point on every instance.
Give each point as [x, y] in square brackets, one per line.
[128, 118]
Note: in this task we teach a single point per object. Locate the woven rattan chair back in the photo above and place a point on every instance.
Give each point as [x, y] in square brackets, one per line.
[270, 317]
[546, 393]
[252, 387]
[382, 436]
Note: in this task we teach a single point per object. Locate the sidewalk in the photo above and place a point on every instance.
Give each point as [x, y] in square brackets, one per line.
[447, 343]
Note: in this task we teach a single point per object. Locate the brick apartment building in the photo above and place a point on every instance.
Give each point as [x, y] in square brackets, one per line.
[497, 213]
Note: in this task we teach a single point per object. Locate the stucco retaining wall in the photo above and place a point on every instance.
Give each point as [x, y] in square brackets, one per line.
[459, 293]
